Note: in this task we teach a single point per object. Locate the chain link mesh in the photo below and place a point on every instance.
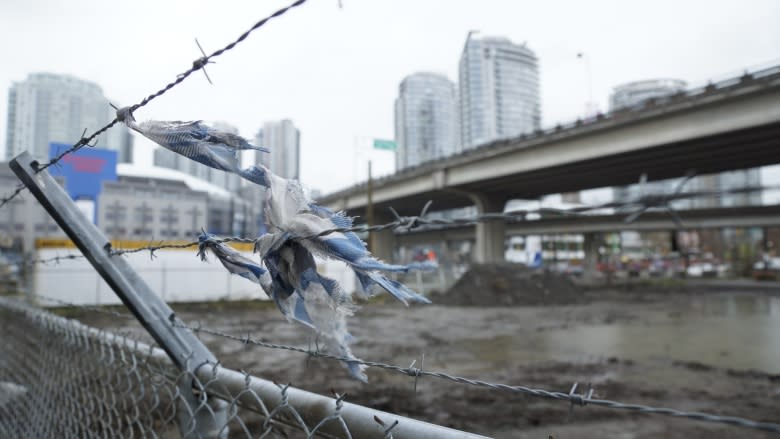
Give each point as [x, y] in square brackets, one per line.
[68, 380]
[60, 378]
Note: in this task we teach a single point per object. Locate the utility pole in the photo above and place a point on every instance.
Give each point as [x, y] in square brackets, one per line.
[370, 208]
[590, 107]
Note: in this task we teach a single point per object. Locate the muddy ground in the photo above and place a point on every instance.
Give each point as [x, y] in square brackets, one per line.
[544, 346]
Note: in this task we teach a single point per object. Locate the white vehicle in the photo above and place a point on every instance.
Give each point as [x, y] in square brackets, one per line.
[524, 250]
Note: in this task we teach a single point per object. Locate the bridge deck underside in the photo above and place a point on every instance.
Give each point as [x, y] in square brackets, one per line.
[756, 146]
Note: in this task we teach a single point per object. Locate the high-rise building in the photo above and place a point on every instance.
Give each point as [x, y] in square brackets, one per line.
[499, 90]
[284, 141]
[634, 93]
[50, 108]
[426, 119]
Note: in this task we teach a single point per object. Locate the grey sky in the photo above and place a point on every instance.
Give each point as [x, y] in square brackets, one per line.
[335, 72]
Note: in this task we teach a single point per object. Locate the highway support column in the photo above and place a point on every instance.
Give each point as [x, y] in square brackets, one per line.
[491, 234]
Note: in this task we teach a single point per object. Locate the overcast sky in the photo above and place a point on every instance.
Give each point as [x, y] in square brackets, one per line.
[335, 72]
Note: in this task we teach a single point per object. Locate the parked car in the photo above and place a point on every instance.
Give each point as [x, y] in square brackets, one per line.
[766, 269]
[701, 269]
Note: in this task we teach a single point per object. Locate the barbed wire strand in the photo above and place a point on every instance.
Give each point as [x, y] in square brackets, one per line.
[7, 199]
[571, 396]
[409, 223]
[420, 222]
[198, 64]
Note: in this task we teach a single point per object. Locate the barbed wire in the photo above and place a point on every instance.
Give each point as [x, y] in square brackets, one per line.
[198, 64]
[422, 221]
[7, 198]
[581, 399]
[53, 260]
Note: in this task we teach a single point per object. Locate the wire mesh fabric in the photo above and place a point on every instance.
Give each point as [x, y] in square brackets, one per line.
[60, 378]
[69, 380]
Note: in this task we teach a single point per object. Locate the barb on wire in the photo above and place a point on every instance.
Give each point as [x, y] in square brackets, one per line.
[84, 141]
[571, 396]
[200, 63]
[406, 223]
[387, 429]
[662, 201]
[45, 261]
[151, 248]
[56, 260]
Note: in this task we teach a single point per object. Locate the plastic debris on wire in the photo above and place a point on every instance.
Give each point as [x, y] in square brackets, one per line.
[288, 273]
[198, 142]
[289, 276]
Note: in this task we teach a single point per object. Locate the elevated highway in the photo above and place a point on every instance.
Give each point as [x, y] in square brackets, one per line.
[733, 124]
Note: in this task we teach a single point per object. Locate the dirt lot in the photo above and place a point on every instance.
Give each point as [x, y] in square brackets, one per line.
[691, 350]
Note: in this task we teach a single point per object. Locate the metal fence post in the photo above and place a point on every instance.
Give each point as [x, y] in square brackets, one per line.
[164, 287]
[27, 279]
[182, 346]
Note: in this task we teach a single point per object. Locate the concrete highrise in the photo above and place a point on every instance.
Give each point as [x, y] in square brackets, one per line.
[284, 140]
[426, 119]
[50, 108]
[499, 90]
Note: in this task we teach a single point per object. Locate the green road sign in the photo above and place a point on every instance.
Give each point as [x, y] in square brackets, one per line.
[384, 144]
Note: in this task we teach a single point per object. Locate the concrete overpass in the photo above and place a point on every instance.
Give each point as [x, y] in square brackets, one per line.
[732, 124]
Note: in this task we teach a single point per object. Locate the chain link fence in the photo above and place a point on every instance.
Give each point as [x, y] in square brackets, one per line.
[63, 379]
[60, 378]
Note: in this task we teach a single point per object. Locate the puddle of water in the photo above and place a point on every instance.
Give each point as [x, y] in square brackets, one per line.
[739, 332]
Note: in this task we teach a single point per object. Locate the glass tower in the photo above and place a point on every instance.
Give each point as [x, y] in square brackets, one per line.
[48, 107]
[499, 90]
[426, 119]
